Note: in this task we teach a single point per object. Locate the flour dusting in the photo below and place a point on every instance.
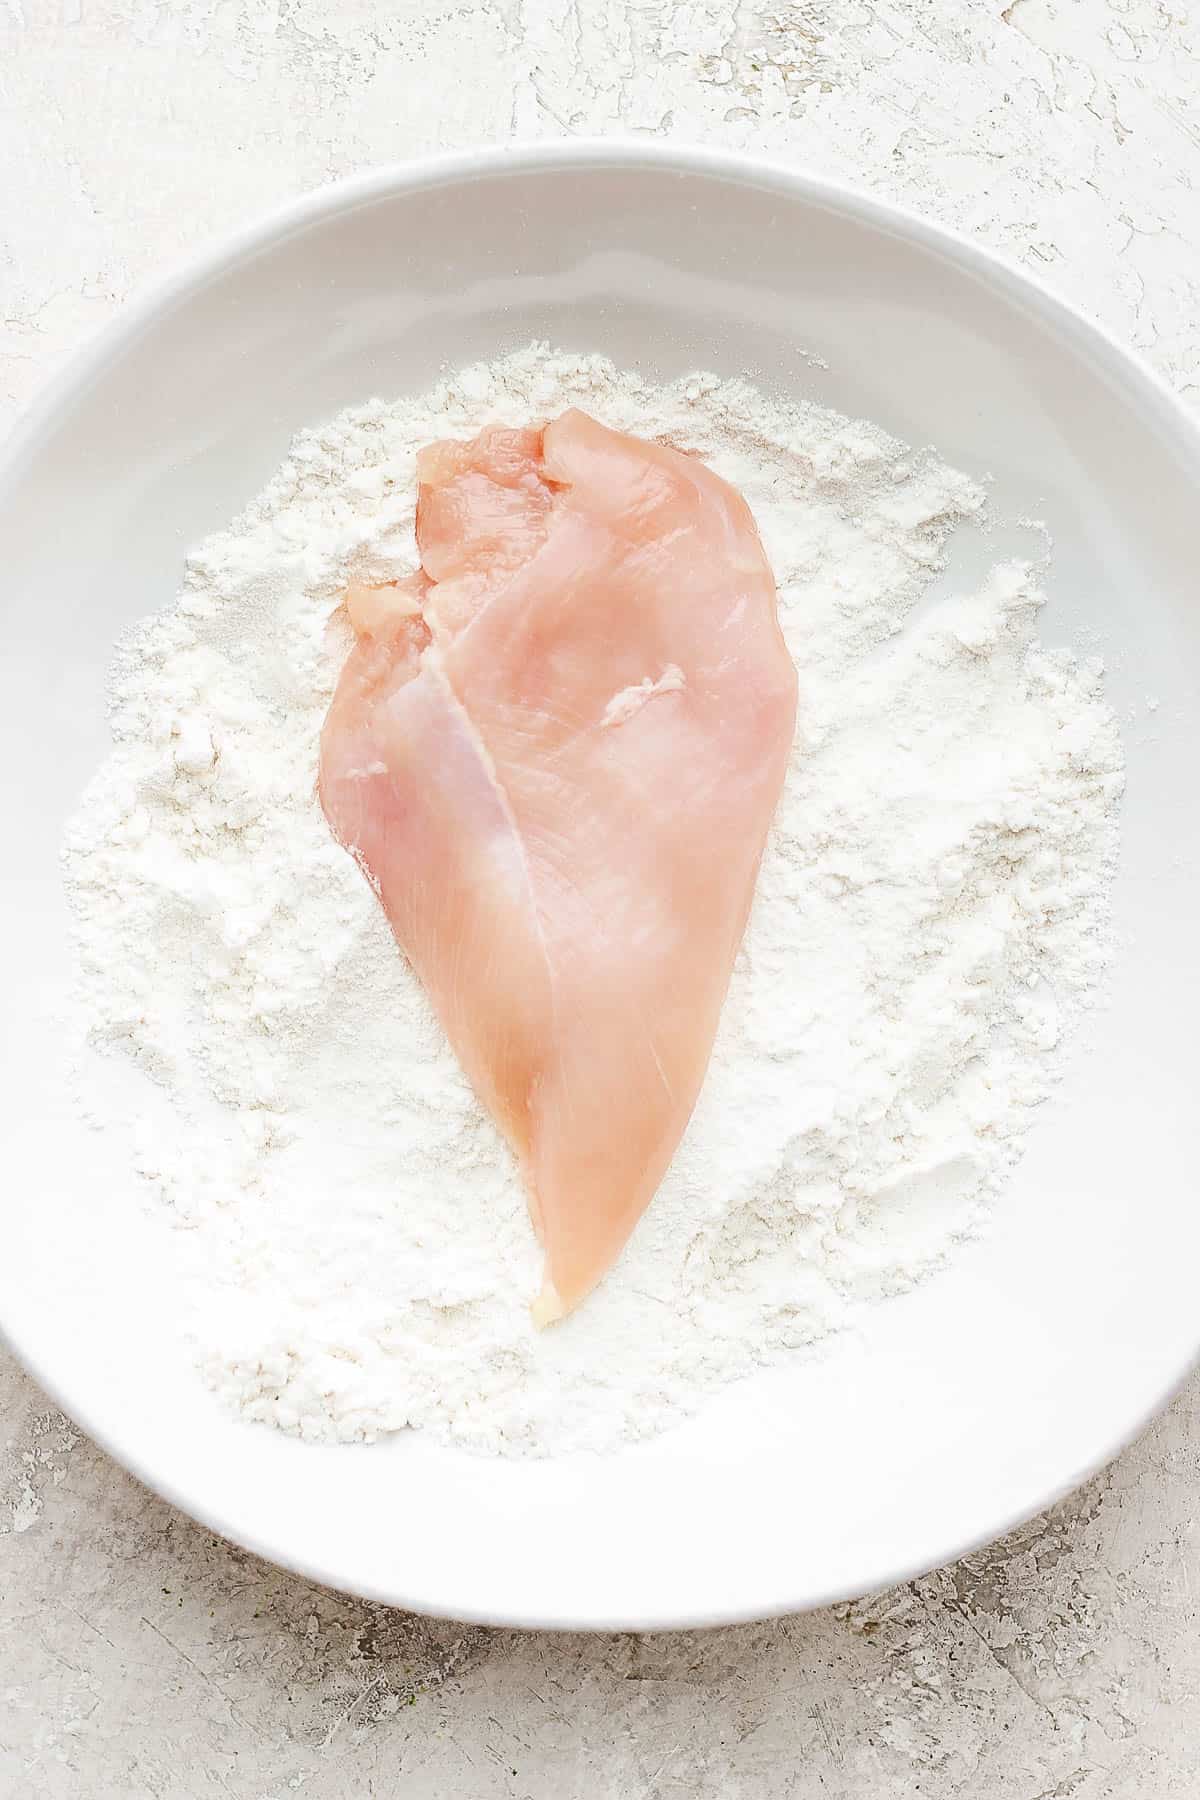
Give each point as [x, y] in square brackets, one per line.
[355, 1252]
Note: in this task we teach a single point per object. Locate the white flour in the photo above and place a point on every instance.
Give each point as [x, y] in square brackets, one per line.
[931, 918]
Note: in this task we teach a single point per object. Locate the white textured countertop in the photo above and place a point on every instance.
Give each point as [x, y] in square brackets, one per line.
[138, 1654]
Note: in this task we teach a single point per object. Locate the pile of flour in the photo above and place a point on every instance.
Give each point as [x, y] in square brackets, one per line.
[356, 1256]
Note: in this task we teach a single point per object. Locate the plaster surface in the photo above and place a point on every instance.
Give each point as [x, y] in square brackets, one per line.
[138, 1654]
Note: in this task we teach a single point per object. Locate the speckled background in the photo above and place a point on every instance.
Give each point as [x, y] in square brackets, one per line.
[138, 1654]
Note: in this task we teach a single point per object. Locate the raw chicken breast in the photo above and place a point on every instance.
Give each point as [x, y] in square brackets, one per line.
[557, 751]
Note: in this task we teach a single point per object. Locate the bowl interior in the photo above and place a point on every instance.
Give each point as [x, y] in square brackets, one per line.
[960, 1407]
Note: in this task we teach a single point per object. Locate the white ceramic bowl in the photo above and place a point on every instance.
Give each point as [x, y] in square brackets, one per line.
[975, 1400]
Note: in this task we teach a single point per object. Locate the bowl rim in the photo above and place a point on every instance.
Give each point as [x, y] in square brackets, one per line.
[156, 297]
[154, 300]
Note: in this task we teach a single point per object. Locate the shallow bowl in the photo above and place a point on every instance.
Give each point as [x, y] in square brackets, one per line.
[960, 1408]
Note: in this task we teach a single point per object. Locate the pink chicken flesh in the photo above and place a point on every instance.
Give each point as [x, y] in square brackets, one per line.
[557, 750]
